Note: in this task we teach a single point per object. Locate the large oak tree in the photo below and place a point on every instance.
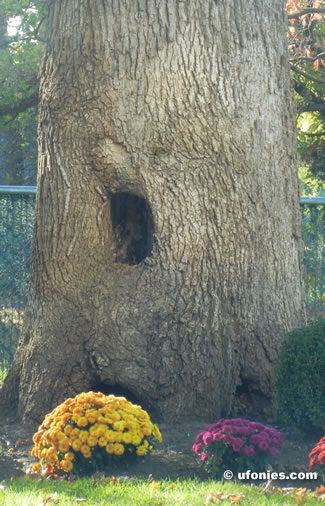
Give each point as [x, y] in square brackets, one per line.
[167, 250]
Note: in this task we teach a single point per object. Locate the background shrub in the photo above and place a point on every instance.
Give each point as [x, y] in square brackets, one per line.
[300, 383]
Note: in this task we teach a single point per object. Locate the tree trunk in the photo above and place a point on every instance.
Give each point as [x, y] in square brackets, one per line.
[167, 251]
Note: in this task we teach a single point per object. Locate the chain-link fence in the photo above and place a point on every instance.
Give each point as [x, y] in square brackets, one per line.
[17, 208]
[313, 219]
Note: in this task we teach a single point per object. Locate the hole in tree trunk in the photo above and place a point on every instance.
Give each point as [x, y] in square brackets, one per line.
[250, 402]
[132, 228]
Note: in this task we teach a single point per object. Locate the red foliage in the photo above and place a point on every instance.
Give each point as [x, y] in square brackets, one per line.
[301, 45]
[317, 455]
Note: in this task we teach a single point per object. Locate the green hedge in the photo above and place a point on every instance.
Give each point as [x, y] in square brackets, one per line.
[300, 383]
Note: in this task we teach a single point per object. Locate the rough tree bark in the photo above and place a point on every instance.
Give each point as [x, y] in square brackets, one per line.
[167, 251]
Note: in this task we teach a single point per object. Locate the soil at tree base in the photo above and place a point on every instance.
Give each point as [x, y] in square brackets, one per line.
[172, 459]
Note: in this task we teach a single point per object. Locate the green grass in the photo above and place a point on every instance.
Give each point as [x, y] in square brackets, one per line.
[27, 492]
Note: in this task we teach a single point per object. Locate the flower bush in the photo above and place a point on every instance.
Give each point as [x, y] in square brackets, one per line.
[237, 445]
[89, 431]
[317, 457]
[300, 381]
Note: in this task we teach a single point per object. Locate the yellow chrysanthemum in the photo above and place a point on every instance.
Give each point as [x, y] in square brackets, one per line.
[136, 439]
[146, 430]
[51, 456]
[36, 468]
[48, 470]
[66, 466]
[75, 418]
[68, 403]
[102, 442]
[101, 429]
[58, 425]
[109, 435]
[110, 448]
[64, 445]
[144, 414]
[84, 435]
[156, 432]
[48, 420]
[119, 426]
[115, 416]
[91, 411]
[118, 437]
[113, 422]
[76, 445]
[92, 441]
[78, 410]
[105, 420]
[141, 450]
[82, 422]
[74, 433]
[52, 434]
[67, 430]
[118, 449]
[36, 452]
[127, 438]
[85, 450]
[93, 429]
[65, 417]
[37, 436]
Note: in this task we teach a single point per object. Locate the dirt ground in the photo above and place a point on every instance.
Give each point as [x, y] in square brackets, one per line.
[173, 458]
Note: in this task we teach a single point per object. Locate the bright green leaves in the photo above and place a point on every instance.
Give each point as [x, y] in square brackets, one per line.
[21, 50]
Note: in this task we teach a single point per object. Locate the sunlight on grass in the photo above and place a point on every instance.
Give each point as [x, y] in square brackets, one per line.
[140, 492]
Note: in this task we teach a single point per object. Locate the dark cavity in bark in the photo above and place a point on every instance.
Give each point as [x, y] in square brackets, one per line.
[132, 227]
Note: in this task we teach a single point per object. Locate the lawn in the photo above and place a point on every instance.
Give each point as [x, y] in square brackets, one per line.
[126, 491]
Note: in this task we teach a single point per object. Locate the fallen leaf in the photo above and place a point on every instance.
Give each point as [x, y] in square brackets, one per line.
[113, 481]
[172, 485]
[19, 442]
[321, 489]
[154, 485]
[213, 497]
[236, 498]
[48, 499]
[300, 494]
